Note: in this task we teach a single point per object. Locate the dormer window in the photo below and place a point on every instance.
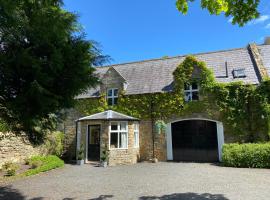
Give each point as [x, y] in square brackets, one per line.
[191, 92]
[112, 96]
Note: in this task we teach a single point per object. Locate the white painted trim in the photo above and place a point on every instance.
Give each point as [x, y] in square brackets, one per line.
[169, 142]
[138, 133]
[220, 136]
[118, 131]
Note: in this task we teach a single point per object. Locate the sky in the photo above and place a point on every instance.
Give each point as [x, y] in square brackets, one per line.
[130, 31]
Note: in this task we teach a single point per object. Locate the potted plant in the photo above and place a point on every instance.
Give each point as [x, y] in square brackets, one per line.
[80, 160]
[104, 158]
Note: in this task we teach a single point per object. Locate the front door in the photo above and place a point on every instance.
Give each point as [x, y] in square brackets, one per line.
[93, 142]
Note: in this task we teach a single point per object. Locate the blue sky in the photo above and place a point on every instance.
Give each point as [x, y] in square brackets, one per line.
[144, 29]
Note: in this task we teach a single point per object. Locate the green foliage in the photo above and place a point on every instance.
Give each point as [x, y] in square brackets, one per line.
[43, 163]
[54, 143]
[81, 152]
[4, 127]
[10, 168]
[160, 126]
[246, 155]
[45, 62]
[242, 11]
[105, 155]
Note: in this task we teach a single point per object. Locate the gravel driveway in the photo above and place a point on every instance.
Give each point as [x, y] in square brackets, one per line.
[144, 181]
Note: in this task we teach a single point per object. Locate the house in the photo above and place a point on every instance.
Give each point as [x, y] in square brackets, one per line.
[194, 136]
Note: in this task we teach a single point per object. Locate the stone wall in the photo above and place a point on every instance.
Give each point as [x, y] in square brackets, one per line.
[146, 143]
[15, 148]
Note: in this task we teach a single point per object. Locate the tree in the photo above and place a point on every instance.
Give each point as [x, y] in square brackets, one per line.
[45, 62]
[241, 11]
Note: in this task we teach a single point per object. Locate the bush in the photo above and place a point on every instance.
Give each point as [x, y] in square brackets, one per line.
[10, 168]
[246, 155]
[54, 143]
[43, 163]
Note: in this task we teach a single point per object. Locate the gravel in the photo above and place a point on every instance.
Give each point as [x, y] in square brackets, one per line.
[144, 181]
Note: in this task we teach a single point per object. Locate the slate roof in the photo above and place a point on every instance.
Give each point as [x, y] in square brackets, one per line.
[108, 115]
[151, 76]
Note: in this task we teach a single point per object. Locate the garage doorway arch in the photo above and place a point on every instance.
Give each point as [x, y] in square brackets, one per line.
[219, 136]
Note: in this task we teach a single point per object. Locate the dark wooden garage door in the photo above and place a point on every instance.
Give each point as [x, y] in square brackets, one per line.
[195, 140]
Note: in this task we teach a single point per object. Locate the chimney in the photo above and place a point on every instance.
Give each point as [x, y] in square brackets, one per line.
[267, 41]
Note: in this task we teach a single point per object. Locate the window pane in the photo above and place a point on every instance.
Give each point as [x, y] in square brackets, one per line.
[123, 140]
[123, 126]
[136, 126]
[109, 93]
[94, 136]
[115, 100]
[110, 102]
[195, 96]
[194, 86]
[136, 139]
[114, 139]
[115, 92]
[187, 96]
[114, 126]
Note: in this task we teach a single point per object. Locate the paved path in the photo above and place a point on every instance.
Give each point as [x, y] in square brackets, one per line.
[144, 181]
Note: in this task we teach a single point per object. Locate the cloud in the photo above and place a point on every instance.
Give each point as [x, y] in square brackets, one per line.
[267, 26]
[261, 19]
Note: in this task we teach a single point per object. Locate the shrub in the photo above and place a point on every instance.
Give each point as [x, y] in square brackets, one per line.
[43, 163]
[81, 153]
[54, 143]
[246, 155]
[10, 168]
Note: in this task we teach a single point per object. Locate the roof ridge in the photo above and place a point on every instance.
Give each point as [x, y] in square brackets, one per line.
[172, 57]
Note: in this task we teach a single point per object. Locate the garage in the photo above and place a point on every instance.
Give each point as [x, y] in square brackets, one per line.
[194, 140]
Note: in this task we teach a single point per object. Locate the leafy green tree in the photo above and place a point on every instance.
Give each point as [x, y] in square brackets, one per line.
[241, 11]
[45, 62]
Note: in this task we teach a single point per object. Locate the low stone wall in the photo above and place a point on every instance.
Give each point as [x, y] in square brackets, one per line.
[15, 148]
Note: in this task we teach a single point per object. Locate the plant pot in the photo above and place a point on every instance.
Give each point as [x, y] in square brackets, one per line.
[80, 162]
[155, 160]
[103, 163]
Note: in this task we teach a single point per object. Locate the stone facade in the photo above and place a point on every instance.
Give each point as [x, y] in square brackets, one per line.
[258, 61]
[15, 148]
[116, 156]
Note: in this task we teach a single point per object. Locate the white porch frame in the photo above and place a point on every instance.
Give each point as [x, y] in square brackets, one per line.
[78, 139]
[220, 136]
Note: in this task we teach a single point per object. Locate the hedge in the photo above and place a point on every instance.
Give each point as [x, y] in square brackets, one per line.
[251, 155]
[47, 163]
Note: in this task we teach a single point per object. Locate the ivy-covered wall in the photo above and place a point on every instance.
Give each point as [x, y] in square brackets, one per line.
[244, 109]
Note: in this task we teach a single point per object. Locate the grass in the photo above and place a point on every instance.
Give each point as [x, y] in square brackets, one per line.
[47, 163]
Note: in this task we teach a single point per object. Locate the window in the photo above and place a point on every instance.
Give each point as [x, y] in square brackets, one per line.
[119, 135]
[239, 73]
[112, 96]
[136, 135]
[191, 92]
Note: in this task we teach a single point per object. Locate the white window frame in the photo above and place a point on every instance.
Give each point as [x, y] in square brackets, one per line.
[136, 131]
[190, 92]
[113, 97]
[118, 131]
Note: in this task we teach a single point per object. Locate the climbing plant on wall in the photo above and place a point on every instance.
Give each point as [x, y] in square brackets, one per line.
[243, 108]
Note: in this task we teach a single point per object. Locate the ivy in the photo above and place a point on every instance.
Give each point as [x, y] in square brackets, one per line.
[243, 108]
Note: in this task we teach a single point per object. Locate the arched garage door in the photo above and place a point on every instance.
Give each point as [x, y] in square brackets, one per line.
[195, 140]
